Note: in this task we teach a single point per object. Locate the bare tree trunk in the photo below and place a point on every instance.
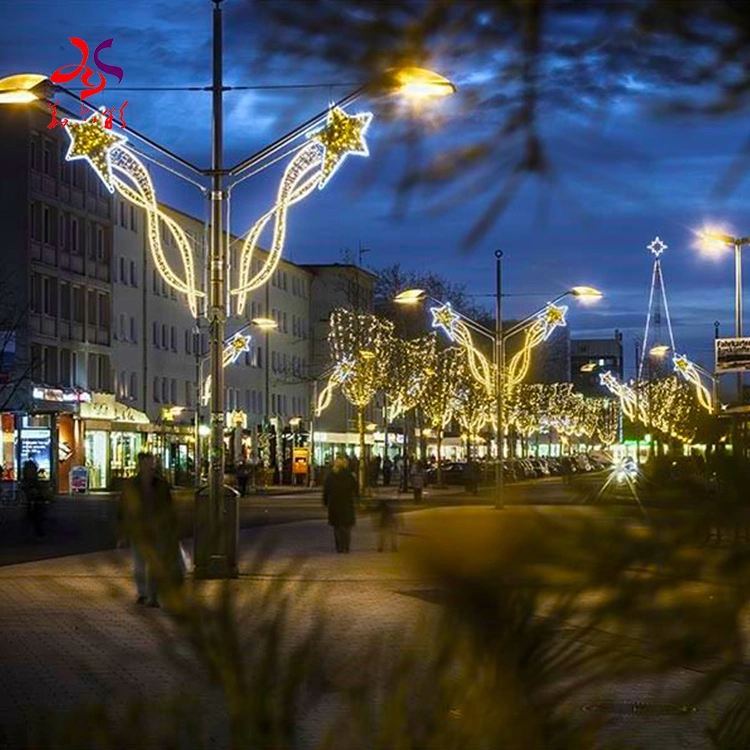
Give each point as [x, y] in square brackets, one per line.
[439, 456]
[362, 459]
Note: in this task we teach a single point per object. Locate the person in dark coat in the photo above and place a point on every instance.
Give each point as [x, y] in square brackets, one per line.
[387, 471]
[36, 495]
[339, 496]
[149, 521]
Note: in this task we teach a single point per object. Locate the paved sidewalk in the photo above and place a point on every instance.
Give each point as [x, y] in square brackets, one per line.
[71, 634]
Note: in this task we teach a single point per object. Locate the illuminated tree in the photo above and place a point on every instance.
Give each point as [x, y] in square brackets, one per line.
[474, 405]
[360, 344]
[438, 401]
[411, 366]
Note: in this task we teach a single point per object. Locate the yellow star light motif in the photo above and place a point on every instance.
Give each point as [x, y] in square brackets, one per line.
[90, 140]
[342, 135]
[444, 317]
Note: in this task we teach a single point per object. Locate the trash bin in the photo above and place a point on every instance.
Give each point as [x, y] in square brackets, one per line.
[216, 537]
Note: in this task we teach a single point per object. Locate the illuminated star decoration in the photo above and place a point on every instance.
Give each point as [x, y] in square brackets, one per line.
[444, 317]
[91, 141]
[342, 135]
[236, 346]
[657, 247]
[552, 317]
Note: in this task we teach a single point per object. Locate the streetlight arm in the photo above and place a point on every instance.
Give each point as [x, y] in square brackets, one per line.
[526, 322]
[148, 141]
[271, 149]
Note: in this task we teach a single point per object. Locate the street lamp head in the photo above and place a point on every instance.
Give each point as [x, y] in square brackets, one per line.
[589, 367]
[410, 297]
[586, 293]
[714, 240]
[659, 351]
[24, 88]
[418, 83]
[265, 324]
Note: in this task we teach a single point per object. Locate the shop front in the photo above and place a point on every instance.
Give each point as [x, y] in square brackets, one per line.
[113, 435]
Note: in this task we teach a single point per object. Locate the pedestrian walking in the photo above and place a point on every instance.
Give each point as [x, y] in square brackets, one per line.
[471, 478]
[243, 476]
[339, 496]
[149, 522]
[387, 522]
[36, 494]
[416, 478]
[387, 471]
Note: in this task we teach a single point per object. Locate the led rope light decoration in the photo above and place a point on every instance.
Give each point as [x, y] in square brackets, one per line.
[107, 154]
[438, 401]
[540, 330]
[312, 167]
[341, 373]
[683, 366]
[233, 349]
[445, 318]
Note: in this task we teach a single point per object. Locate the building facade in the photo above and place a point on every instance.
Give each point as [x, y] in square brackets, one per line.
[589, 358]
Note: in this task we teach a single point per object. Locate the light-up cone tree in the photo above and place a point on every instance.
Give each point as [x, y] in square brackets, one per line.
[360, 348]
[438, 400]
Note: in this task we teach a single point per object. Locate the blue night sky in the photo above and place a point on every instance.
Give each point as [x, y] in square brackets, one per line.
[622, 178]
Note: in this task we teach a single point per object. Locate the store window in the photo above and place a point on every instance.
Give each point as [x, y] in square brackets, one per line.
[96, 446]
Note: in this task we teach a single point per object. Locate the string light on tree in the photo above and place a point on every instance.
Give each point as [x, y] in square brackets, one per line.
[411, 367]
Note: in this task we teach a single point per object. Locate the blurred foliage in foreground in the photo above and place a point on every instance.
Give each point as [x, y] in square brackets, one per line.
[533, 616]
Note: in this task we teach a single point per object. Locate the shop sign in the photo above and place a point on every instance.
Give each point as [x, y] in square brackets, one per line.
[79, 479]
[732, 355]
[104, 406]
[61, 395]
[300, 460]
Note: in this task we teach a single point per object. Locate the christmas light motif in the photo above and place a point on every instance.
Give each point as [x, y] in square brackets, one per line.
[438, 400]
[552, 317]
[445, 318]
[342, 135]
[90, 140]
[683, 366]
[233, 349]
[313, 166]
[657, 247]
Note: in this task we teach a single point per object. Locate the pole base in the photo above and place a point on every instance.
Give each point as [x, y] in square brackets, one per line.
[218, 567]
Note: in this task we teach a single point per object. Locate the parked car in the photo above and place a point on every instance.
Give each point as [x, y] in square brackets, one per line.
[540, 467]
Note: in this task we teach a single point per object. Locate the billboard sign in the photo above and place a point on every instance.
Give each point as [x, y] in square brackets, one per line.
[732, 355]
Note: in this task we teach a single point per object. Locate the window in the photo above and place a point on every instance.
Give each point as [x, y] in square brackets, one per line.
[91, 312]
[274, 361]
[133, 274]
[46, 227]
[164, 390]
[62, 231]
[65, 374]
[49, 292]
[99, 232]
[188, 393]
[164, 336]
[33, 152]
[104, 373]
[155, 329]
[122, 214]
[259, 361]
[156, 281]
[104, 319]
[47, 159]
[64, 300]
[78, 305]
[34, 218]
[173, 339]
[173, 391]
[157, 391]
[123, 277]
[133, 330]
[188, 339]
[123, 334]
[50, 364]
[74, 236]
[133, 390]
[132, 217]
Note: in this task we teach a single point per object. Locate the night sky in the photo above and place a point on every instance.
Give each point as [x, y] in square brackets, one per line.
[621, 180]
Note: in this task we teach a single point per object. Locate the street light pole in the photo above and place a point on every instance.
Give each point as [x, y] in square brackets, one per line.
[637, 406]
[220, 560]
[738, 305]
[500, 362]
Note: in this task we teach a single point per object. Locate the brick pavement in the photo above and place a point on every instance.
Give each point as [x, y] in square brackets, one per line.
[70, 634]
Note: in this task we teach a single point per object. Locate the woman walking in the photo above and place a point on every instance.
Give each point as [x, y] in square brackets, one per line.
[339, 496]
